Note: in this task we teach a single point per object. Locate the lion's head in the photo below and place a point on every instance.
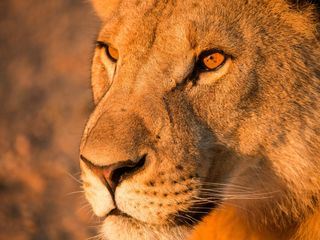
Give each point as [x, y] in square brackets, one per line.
[201, 104]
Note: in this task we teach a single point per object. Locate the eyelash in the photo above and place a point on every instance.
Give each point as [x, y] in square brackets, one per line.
[100, 44]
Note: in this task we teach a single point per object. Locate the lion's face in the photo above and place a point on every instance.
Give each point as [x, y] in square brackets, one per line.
[197, 104]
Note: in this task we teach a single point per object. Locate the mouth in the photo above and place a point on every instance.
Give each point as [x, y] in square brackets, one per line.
[119, 213]
[190, 217]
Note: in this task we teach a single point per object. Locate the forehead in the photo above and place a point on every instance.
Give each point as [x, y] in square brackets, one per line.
[184, 23]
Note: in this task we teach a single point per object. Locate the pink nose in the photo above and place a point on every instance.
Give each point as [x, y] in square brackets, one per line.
[107, 175]
[114, 174]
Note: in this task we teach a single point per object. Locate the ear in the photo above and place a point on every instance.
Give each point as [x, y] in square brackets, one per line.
[104, 8]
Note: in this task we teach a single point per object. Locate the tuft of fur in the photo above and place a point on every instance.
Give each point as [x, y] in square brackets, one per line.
[244, 137]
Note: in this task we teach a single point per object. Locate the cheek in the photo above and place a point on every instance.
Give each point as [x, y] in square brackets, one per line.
[217, 107]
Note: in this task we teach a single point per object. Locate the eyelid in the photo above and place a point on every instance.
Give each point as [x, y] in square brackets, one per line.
[107, 49]
[101, 44]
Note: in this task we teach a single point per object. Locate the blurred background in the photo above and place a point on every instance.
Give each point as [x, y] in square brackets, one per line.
[45, 99]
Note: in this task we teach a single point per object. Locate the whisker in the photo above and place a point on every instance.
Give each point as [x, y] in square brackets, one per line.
[262, 195]
[225, 185]
[241, 191]
[75, 192]
[196, 212]
[223, 206]
[195, 220]
[202, 208]
[86, 206]
[235, 197]
[99, 236]
[74, 178]
[187, 218]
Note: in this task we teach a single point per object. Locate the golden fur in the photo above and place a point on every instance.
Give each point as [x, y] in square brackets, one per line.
[241, 142]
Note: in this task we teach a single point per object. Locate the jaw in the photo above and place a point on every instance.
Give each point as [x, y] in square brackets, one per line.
[127, 228]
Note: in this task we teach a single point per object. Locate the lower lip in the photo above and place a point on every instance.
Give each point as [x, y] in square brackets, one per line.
[117, 212]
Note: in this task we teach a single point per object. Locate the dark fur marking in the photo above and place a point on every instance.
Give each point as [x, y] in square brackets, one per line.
[179, 167]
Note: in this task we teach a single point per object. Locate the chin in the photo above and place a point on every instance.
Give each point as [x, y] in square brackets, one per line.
[127, 228]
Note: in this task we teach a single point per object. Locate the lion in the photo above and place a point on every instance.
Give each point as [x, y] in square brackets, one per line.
[206, 120]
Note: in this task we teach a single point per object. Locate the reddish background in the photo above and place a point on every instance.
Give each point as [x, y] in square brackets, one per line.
[45, 51]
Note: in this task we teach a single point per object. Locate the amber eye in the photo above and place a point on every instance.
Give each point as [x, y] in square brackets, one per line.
[111, 52]
[212, 60]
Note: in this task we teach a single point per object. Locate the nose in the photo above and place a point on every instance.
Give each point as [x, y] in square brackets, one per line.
[112, 175]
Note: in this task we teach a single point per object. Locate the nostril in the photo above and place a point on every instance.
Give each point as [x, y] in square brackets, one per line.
[126, 169]
[113, 174]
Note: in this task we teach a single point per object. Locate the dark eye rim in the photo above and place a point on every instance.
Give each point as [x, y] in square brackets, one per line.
[105, 46]
[203, 68]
